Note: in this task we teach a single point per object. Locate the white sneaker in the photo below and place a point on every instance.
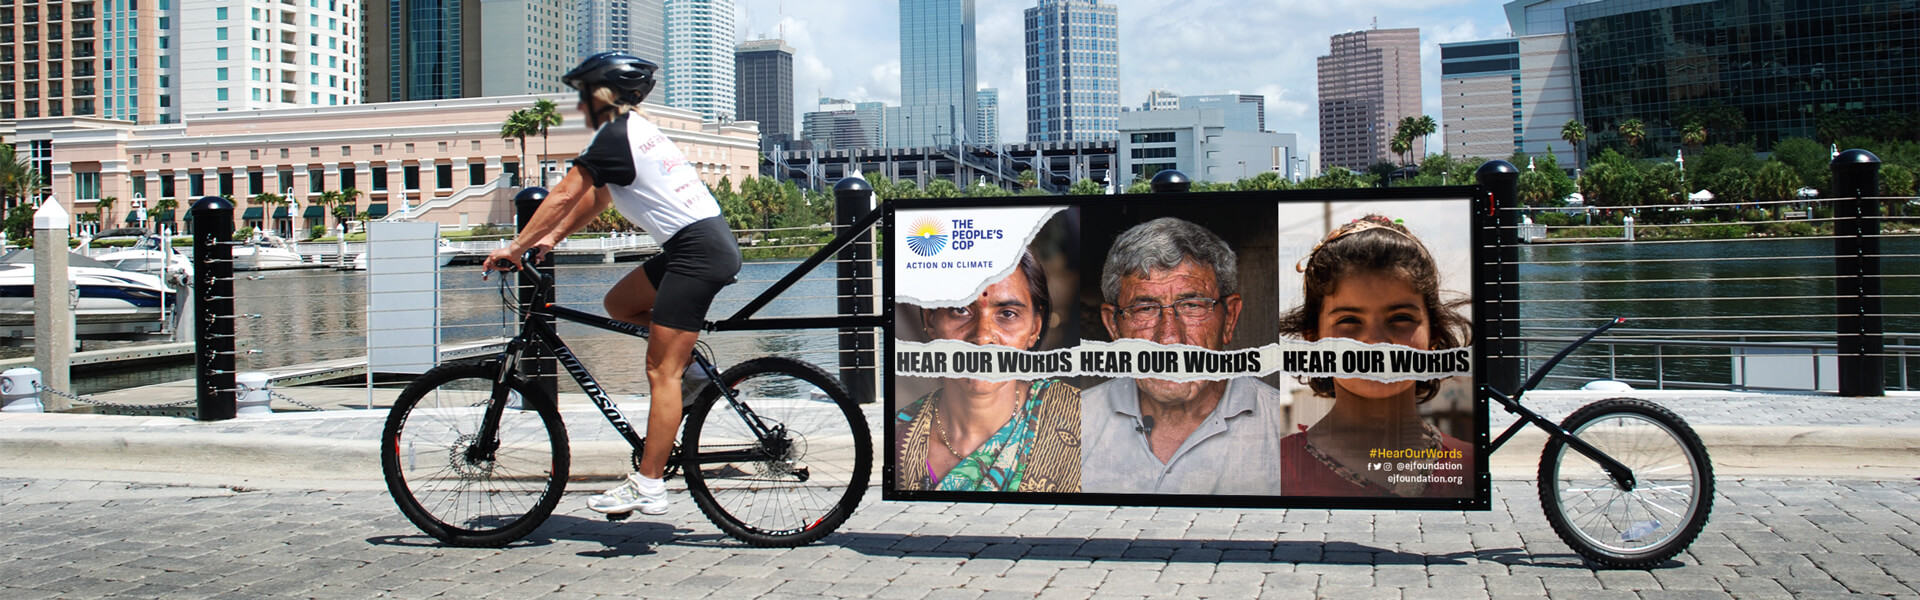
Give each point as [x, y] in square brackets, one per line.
[628, 497]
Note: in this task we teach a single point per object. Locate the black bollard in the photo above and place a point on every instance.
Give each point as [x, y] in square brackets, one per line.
[1170, 181]
[1497, 271]
[213, 308]
[853, 199]
[541, 370]
[1856, 250]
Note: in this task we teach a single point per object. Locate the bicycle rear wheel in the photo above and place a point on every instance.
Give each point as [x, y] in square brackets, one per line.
[799, 483]
[465, 496]
[1633, 528]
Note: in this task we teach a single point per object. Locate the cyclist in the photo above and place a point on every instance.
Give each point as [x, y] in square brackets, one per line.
[630, 165]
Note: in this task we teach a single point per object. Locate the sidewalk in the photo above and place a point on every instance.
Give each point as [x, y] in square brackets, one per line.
[1747, 434]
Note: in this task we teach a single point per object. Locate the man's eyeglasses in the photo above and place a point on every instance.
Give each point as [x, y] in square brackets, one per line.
[1147, 314]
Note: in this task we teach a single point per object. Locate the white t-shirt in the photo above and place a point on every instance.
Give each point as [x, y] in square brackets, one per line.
[652, 183]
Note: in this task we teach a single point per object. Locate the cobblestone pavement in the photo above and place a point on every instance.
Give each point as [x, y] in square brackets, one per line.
[1768, 538]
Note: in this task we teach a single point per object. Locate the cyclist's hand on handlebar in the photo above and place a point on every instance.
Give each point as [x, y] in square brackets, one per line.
[508, 259]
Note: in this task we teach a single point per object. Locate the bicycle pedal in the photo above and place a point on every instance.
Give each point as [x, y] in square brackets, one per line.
[622, 516]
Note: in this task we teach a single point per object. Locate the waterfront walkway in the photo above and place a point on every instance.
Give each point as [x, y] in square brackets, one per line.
[1817, 499]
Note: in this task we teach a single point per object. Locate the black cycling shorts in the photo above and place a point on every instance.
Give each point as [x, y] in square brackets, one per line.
[688, 273]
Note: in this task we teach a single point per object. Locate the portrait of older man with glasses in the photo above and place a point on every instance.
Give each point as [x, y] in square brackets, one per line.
[1171, 281]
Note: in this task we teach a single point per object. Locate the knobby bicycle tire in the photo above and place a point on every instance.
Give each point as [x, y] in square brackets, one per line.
[1637, 528]
[454, 496]
[804, 494]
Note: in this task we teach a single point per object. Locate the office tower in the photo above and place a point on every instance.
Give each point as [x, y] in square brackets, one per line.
[58, 60]
[526, 46]
[249, 56]
[1245, 112]
[1368, 82]
[843, 125]
[636, 26]
[422, 50]
[1159, 99]
[1836, 68]
[1073, 71]
[763, 88]
[699, 69]
[988, 131]
[938, 105]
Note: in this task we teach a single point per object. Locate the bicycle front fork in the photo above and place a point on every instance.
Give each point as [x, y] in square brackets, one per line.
[1621, 475]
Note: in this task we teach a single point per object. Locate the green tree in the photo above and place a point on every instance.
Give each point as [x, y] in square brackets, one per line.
[1536, 189]
[1809, 160]
[1086, 187]
[1265, 182]
[1574, 133]
[1337, 178]
[1693, 134]
[1633, 131]
[1423, 127]
[1896, 181]
[1029, 179]
[942, 188]
[1776, 182]
[104, 208]
[1400, 145]
[519, 125]
[349, 198]
[544, 115]
[1729, 185]
[1610, 182]
[763, 199]
[1661, 184]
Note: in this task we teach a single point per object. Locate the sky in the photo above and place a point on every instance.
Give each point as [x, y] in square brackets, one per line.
[850, 49]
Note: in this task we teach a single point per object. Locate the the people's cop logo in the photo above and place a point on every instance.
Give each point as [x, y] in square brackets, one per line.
[927, 237]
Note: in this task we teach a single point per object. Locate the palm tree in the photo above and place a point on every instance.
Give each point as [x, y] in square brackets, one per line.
[519, 125]
[350, 200]
[326, 200]
[104, 208]
[1400, 145]
[545, 114]
[1423, 127]
[1693, 134]
[169, 206]
[1574, 133]
[1632, 130]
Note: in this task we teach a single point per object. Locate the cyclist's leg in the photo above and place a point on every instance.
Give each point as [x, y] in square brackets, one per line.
[632, 298]
[668, 353]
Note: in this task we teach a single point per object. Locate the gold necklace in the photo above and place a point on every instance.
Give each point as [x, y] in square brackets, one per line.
[1019, 412]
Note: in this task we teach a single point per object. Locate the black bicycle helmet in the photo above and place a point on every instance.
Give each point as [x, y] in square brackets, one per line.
[631, 77]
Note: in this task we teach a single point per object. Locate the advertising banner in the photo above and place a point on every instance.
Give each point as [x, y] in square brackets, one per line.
[1271, 349]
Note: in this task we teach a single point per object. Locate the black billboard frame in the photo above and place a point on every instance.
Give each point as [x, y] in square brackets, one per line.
[1486, 287]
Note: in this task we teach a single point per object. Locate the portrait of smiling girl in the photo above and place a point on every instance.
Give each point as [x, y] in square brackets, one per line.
[1372, 281]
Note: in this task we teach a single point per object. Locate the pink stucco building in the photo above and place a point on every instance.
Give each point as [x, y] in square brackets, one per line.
[438, 160]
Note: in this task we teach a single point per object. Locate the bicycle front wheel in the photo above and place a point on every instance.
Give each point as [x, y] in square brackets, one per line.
[1640, 527]
[461, 489]
[799, 481]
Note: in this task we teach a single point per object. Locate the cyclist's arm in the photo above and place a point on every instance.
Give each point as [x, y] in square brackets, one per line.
[574, 204]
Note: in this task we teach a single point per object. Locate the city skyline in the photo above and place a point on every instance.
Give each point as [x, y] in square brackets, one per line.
[850, 49]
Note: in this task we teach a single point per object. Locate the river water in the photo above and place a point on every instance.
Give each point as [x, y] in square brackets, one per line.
[1713, 285]
[316, 315]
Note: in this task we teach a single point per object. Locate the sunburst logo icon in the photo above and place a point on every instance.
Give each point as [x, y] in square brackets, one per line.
[927, 237]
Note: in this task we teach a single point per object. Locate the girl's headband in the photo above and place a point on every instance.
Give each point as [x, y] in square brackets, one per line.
[1353, 227]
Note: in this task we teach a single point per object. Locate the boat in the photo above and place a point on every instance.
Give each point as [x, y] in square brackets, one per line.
[264, 253]
[122, 300]
[151, 255]
[446, 254]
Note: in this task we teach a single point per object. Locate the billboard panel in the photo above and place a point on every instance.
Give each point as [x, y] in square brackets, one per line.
[1275, 349]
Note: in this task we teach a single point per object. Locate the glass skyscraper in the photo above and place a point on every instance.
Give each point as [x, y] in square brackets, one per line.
[938, 102]
[1785, 66]
[1073, 71]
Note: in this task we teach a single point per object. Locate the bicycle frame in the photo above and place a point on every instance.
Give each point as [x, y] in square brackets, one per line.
[1622, 476]
[535, 329]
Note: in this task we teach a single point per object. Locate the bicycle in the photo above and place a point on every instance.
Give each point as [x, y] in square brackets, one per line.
[1638, 486]
[476, 454]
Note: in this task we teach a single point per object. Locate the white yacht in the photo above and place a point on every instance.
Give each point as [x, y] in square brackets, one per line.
[265, 252]
[152, 256]
[107, 295]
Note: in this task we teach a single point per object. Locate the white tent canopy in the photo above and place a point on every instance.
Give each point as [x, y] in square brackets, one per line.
[1809, 193]
[1701, 196]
